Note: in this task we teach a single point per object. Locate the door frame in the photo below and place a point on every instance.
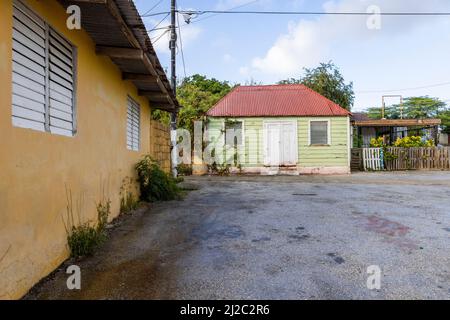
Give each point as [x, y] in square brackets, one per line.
[265, 124]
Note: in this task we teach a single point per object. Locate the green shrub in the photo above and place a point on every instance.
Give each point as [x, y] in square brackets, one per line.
[413, 142]
[184, 169]
[155, 184]
[220, 170]
[85, 238]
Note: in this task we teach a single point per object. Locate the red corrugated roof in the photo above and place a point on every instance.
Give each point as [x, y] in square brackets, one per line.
[274, 101]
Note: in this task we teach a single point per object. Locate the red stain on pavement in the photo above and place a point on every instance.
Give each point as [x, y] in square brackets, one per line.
[386, 227]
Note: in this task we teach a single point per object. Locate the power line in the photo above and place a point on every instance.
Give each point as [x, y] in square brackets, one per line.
[157, 39]
[181, 46]
[343, 13]
[151, 9]
[405, 89]
[231, 9]
[158, 24]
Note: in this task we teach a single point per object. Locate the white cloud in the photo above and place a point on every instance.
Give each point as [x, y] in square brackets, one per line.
[309, 42]
[228, 58]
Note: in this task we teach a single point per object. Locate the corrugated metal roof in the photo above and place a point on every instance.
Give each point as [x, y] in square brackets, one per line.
[275, 100]
[110, 23]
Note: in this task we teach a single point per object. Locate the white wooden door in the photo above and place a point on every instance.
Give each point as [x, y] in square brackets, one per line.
[280, 143]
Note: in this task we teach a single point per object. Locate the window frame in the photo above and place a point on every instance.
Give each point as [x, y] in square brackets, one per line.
[328, 121]
[49, 28]
[130, 103]
[242, 134]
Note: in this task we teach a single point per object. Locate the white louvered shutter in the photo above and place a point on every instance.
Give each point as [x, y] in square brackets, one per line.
[43, 75]
[29, 69]
[61, 68]
[133, 125]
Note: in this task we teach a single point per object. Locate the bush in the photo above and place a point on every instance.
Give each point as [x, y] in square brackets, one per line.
[184, 169]
[377, 142]
[85, 238]
[220, 170]
[155, 184]
[413, 142]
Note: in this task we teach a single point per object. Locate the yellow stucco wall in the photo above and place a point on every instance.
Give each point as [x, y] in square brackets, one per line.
[36, 167]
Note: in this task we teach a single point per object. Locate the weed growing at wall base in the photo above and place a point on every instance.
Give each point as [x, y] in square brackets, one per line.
[84, 238]
[128, 200]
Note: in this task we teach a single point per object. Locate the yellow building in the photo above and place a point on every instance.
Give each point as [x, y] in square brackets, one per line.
[75, 109]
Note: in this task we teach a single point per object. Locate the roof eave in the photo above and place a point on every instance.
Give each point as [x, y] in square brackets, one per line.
[119, 33]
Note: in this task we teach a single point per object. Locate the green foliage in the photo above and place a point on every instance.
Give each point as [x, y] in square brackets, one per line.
[390, 112]
[423, 107]
[85, 238]
[184, 169]
[445, 118]
[377, 142]
[327, 80]
[219, 169]
[407, 142]
[128, 200]
[197, 94]
[155, 184]
[413, 142]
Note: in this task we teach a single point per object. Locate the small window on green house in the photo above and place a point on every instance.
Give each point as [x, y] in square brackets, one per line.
[233, 133]
[319, 134]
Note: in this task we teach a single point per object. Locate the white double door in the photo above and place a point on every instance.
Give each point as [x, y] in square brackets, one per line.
[280, 143]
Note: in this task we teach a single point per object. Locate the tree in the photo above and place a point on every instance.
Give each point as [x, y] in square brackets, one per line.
[445, 117]
[196, 94]
[327, 80]
[423, 107]
[390, 112]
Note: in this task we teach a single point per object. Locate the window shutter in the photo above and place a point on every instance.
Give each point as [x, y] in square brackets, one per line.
[28, 87]
[319, 132]
[133, 125]
[43, 75]
[61, 71]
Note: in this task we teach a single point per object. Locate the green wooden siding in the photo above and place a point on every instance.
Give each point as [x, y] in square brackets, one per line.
[334, 155]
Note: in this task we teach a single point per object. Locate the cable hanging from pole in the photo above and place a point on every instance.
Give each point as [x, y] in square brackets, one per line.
[299, 13]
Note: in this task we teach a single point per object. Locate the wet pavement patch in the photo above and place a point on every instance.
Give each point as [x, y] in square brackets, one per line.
[447, 229]
[297, 237]
[262, 239]
[215, 230]
[336, 258]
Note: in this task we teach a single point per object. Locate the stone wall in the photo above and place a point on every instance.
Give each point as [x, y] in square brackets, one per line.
[160, 144]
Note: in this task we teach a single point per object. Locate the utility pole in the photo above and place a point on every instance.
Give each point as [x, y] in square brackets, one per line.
[173, 64]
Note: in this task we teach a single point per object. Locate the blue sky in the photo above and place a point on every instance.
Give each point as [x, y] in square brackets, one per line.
[405, 54]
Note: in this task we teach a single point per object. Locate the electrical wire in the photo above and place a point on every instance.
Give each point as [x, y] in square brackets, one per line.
[159, 37]
[158, 24]
[181, 46]
[151, 9]
[200, 12]
[231, 9]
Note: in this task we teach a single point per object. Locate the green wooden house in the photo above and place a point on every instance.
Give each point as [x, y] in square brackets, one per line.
[279, 129]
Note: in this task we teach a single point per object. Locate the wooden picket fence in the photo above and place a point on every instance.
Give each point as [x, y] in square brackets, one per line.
[417, 159]
[373, 159]
[397, 159]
